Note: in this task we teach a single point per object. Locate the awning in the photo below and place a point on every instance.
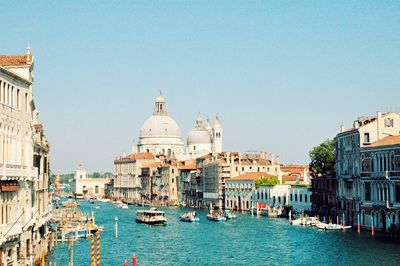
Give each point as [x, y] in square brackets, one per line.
[9, 186]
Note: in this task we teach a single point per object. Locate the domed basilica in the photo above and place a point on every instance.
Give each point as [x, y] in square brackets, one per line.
[160, 134]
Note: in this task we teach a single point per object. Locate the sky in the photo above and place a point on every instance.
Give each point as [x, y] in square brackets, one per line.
[281, 75]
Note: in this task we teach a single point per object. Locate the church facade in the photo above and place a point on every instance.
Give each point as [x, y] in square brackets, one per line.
[161, 135]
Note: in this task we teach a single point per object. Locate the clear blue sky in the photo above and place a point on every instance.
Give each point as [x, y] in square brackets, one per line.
[282, 75]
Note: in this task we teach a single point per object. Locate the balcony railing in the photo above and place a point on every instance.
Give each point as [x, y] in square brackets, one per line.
[17, 171]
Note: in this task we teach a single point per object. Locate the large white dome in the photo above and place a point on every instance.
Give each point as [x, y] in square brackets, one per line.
[158, 126]
[198, 136]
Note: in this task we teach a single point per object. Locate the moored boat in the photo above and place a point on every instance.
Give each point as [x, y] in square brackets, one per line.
[152, 217]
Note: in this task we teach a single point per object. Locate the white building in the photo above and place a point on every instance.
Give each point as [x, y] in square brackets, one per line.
[24, 205]
[239, 190]
[299, 197]
[85, 186]
[160, 134]
[204, 139]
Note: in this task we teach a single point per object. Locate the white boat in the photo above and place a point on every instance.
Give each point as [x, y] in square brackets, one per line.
[123, 206]
[330, 226]
[152, 217]
[306, 221]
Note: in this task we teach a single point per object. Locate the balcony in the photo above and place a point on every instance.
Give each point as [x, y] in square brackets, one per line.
[10, 171]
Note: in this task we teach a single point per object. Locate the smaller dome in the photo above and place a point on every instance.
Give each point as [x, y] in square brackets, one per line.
[198, 136]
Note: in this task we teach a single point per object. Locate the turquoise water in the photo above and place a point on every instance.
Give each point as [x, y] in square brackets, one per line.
[245, 241]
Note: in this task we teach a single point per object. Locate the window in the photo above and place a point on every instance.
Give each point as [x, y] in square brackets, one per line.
[305, 198]
[173, 179]
[367, 189]
[194, 148]
[301, 197]
[295, 197]
[388, 122]
[366, 137]
[291, 197]
[397, 192]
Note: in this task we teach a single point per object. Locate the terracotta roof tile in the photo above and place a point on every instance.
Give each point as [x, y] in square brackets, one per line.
[249, 176]
[386, 141]
[15, 60]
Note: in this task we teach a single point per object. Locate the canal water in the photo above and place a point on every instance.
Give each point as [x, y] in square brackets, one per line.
[249, 240]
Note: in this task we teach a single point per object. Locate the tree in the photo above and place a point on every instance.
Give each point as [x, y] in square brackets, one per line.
[323, 159]
[267, 181]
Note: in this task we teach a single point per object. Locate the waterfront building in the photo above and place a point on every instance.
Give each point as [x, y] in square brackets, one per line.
[323, 197]
[128, 175]
[214, 168]
[239, 190]
[348, 144]
[83, 185]
[24, 202]
[277, 196]
[187, 182]
[380, 185]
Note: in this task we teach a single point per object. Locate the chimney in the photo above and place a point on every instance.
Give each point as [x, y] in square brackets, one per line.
[342, 129]
[356, 124]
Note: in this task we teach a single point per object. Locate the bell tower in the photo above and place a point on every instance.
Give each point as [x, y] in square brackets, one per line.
[217, 136]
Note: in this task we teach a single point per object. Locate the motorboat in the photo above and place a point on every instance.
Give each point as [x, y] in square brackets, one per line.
[70, 203]
[228, 214]
[189, 217]
[306, 221]
[122, 205]
[215, 217]
[151, 216]
[330, 226]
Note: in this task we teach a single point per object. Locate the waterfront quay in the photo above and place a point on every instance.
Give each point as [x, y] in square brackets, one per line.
[249, 240]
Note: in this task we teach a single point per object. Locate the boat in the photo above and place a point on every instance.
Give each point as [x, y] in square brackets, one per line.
[151, 216]
[307, 221]
[91, 200]
[215, 217]
[228, 214]
[330, 226]
[122, 205]
[189, 217]
[143, 204]
[70, 203]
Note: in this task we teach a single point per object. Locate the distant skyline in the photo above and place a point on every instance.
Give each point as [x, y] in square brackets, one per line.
[282, 76]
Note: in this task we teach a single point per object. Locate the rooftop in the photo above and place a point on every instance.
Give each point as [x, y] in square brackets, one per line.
[15, 60]
[249, 176]
[386, 141]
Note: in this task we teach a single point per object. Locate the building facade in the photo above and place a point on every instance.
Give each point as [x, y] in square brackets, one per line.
[24, 201]
[277, 196]
[349, 143]
[85, 186]
[239, 190]
[380, 185]
[131, 182]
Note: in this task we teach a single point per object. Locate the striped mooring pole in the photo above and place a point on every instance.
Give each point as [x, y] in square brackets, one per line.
[358, 223]
[93, 261]
[98, 248]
